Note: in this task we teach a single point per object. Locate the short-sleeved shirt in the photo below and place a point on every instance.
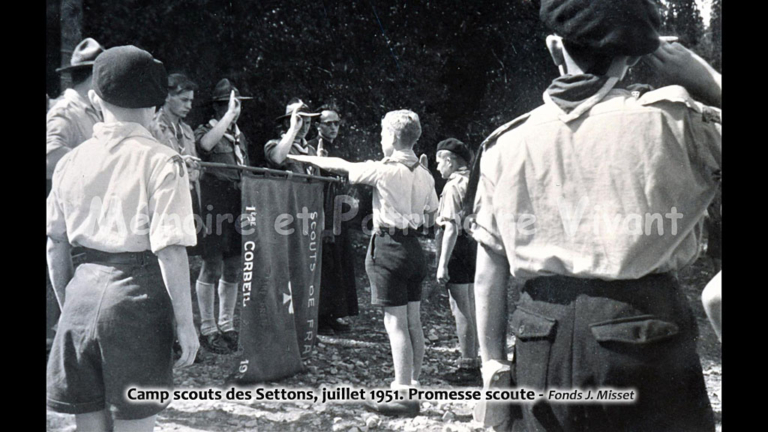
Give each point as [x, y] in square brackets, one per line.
[452, 199]
[297, 148]
[619, 192]
[231, 149]
[70, 122]
[402, 196]
[178, 136]
[121, 191]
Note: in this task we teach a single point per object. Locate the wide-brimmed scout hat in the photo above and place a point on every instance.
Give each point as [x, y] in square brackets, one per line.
[84, 55]
[130, 77]
[223, 89]
[304, 110]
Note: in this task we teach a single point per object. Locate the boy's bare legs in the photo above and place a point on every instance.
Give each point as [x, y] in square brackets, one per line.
[396, 323]
[146, 424]
[416, 332]
[462, 299]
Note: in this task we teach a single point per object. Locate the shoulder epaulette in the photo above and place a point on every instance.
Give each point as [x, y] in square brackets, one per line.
[679, 94]
[491, 140]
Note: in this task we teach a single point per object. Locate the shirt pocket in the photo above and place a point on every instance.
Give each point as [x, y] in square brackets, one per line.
[535, 334]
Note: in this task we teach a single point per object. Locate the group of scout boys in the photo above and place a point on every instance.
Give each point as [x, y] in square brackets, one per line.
[594, 312]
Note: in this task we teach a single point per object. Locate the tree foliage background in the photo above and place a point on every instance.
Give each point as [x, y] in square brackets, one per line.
[464, 67]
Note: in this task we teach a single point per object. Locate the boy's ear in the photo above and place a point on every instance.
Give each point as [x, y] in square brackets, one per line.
[95, 99]
[555, 47]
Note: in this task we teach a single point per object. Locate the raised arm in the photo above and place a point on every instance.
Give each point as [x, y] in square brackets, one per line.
[210, 139]
[679, 65]
[281, 150]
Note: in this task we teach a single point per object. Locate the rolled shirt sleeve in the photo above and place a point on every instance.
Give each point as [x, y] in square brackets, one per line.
[449, 208]
[55, 224]
[170, 207]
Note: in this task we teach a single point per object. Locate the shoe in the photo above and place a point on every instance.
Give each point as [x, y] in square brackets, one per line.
[214, 343]
[470, 377]
[408, 408]
[325, 330]
[231, 337]
[335, 324]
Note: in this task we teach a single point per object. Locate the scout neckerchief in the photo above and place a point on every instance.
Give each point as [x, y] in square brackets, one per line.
[234, 139]
[576, 94]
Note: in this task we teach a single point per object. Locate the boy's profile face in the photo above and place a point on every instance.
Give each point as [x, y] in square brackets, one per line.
[445, 164]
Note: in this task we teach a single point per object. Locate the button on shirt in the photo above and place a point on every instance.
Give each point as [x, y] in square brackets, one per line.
[617, 193]
[69, 122]
[452, 198]
[121, 191]
[401, 196]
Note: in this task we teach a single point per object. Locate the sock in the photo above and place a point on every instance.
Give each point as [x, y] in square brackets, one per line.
[227, 303]
[205, 296]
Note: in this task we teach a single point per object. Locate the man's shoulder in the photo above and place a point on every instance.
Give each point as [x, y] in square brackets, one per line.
[506, 130]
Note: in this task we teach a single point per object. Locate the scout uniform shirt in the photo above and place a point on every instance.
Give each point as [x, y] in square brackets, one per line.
[121, 191]
[176, 136]
[614, 191]
[401, 196]
[231, 149]
[70, 122]
[297, 148]
[452, 198]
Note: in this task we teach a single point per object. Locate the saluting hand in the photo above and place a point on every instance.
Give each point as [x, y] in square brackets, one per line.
[678, 65]
[234, 105]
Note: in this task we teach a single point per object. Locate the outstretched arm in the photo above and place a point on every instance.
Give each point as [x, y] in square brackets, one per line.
[337, 165]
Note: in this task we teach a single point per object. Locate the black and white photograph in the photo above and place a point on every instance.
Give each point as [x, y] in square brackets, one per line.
[400, 215]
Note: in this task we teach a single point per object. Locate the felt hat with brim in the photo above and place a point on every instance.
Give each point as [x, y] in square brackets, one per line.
[303, 108]
[223, 89]
[457, 147]
[84, 55]
[129, 77]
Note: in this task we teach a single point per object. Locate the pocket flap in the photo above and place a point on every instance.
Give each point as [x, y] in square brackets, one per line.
[634, 330]
[529, 325]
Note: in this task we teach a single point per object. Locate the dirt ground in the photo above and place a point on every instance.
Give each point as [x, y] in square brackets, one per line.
[361, 358]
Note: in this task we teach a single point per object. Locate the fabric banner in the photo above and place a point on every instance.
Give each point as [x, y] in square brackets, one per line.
[282, 250]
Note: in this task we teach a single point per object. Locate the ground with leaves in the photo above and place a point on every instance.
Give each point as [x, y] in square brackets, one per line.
[361, 358]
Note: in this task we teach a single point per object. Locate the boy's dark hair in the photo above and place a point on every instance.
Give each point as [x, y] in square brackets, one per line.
[180, 83]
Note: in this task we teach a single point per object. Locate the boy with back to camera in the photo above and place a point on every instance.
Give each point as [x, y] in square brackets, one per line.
[404, 200]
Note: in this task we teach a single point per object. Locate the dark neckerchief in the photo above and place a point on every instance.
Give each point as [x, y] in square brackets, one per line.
[569, 91]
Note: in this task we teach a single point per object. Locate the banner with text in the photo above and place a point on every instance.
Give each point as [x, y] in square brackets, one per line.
[282, 224]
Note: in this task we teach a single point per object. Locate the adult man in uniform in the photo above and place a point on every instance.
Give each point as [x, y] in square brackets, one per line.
[124, 198]
[220, 140]
[338, 292]
[595, 199]
[70, 120]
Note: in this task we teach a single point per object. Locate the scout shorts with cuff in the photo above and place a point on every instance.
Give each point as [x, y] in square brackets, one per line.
[396, 266]
[115, 332]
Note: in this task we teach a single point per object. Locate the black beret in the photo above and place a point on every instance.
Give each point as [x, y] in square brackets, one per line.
[607, 27]
[130, 77]
[455, 146]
